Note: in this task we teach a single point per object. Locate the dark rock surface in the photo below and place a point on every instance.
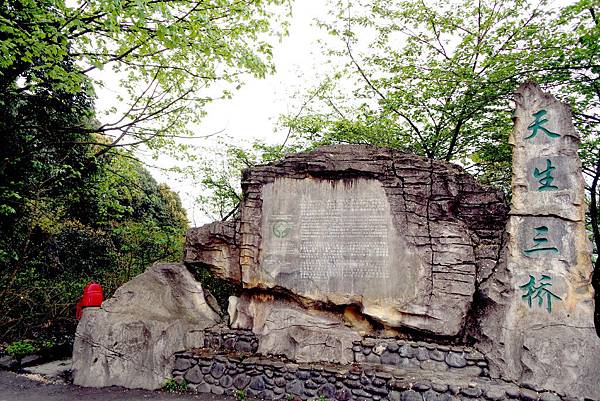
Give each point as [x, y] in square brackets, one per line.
[272, 378]
[451, 224]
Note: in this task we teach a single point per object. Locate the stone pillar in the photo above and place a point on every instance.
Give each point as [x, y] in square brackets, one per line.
[548, 333]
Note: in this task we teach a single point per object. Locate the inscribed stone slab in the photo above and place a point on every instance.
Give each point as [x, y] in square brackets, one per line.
[335, 239]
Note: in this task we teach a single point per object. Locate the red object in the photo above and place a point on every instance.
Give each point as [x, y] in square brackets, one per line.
[92, 296]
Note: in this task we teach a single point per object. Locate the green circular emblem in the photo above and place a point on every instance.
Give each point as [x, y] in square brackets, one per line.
[281, 229]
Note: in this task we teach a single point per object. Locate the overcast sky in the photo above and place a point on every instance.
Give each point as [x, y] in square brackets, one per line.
[253, 111]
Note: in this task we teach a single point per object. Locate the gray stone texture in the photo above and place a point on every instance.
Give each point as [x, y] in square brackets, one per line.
[131, 339]
[424, 355]
[214, 247]
[399, 237]
[426, 215]
[455, 360]
[194, 375]
[9, 362]
[285, 328]
[55, 371]
[267, 378]
[555, 348]
[223, 338]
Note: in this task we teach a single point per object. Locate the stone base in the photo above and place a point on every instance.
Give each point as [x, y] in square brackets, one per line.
[403, 354]
[204, 371]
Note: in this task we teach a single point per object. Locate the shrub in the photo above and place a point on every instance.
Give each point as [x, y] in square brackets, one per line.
[173, 386]
[20, 349]
[240, 395]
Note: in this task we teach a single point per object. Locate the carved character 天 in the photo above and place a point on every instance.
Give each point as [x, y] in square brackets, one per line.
[537, 125]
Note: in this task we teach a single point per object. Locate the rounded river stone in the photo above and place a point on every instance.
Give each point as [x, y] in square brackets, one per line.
[411, 395]
[241, 381]
[456, 360]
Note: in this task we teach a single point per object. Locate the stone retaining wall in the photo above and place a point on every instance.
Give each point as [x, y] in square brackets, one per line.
[420, 355]
[225, 339]
[388, 351]
[272, 379]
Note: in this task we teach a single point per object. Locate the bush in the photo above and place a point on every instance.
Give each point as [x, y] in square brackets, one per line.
[93, 235]
[172, 386]
[239, 395]
[20, 349]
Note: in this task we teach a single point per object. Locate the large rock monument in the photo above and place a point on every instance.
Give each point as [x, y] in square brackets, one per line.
[371, 274]
[540, 329]
[355, 240]
[386, 240]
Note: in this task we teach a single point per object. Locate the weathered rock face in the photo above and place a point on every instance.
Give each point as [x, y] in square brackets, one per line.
[538, 323]
[402, 239]
[131, 340]
[214, 246]
[354, 240]
[286, 329]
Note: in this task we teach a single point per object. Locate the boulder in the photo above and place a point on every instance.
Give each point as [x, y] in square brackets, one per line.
[214, 246]
[131, 339]
[284, 328]
[536, 322]
[397, 237]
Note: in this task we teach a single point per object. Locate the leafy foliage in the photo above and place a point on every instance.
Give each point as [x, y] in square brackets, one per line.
[19, 349]
[172, 386]
[165, 55]
[240, 395]
[67, 216]
[221, 179]
[437, 78]
[75, 204]
[59, 247]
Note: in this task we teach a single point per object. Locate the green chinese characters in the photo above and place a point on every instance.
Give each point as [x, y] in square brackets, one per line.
[540, 292]
[540, 242]
[545, 177]
[538, 125]
[534, 290]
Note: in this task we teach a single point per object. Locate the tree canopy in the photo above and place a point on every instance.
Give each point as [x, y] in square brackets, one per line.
[171, 57]
[437, 78]
[75, 204]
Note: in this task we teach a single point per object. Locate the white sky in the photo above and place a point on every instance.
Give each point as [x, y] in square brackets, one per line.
[254, 110]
